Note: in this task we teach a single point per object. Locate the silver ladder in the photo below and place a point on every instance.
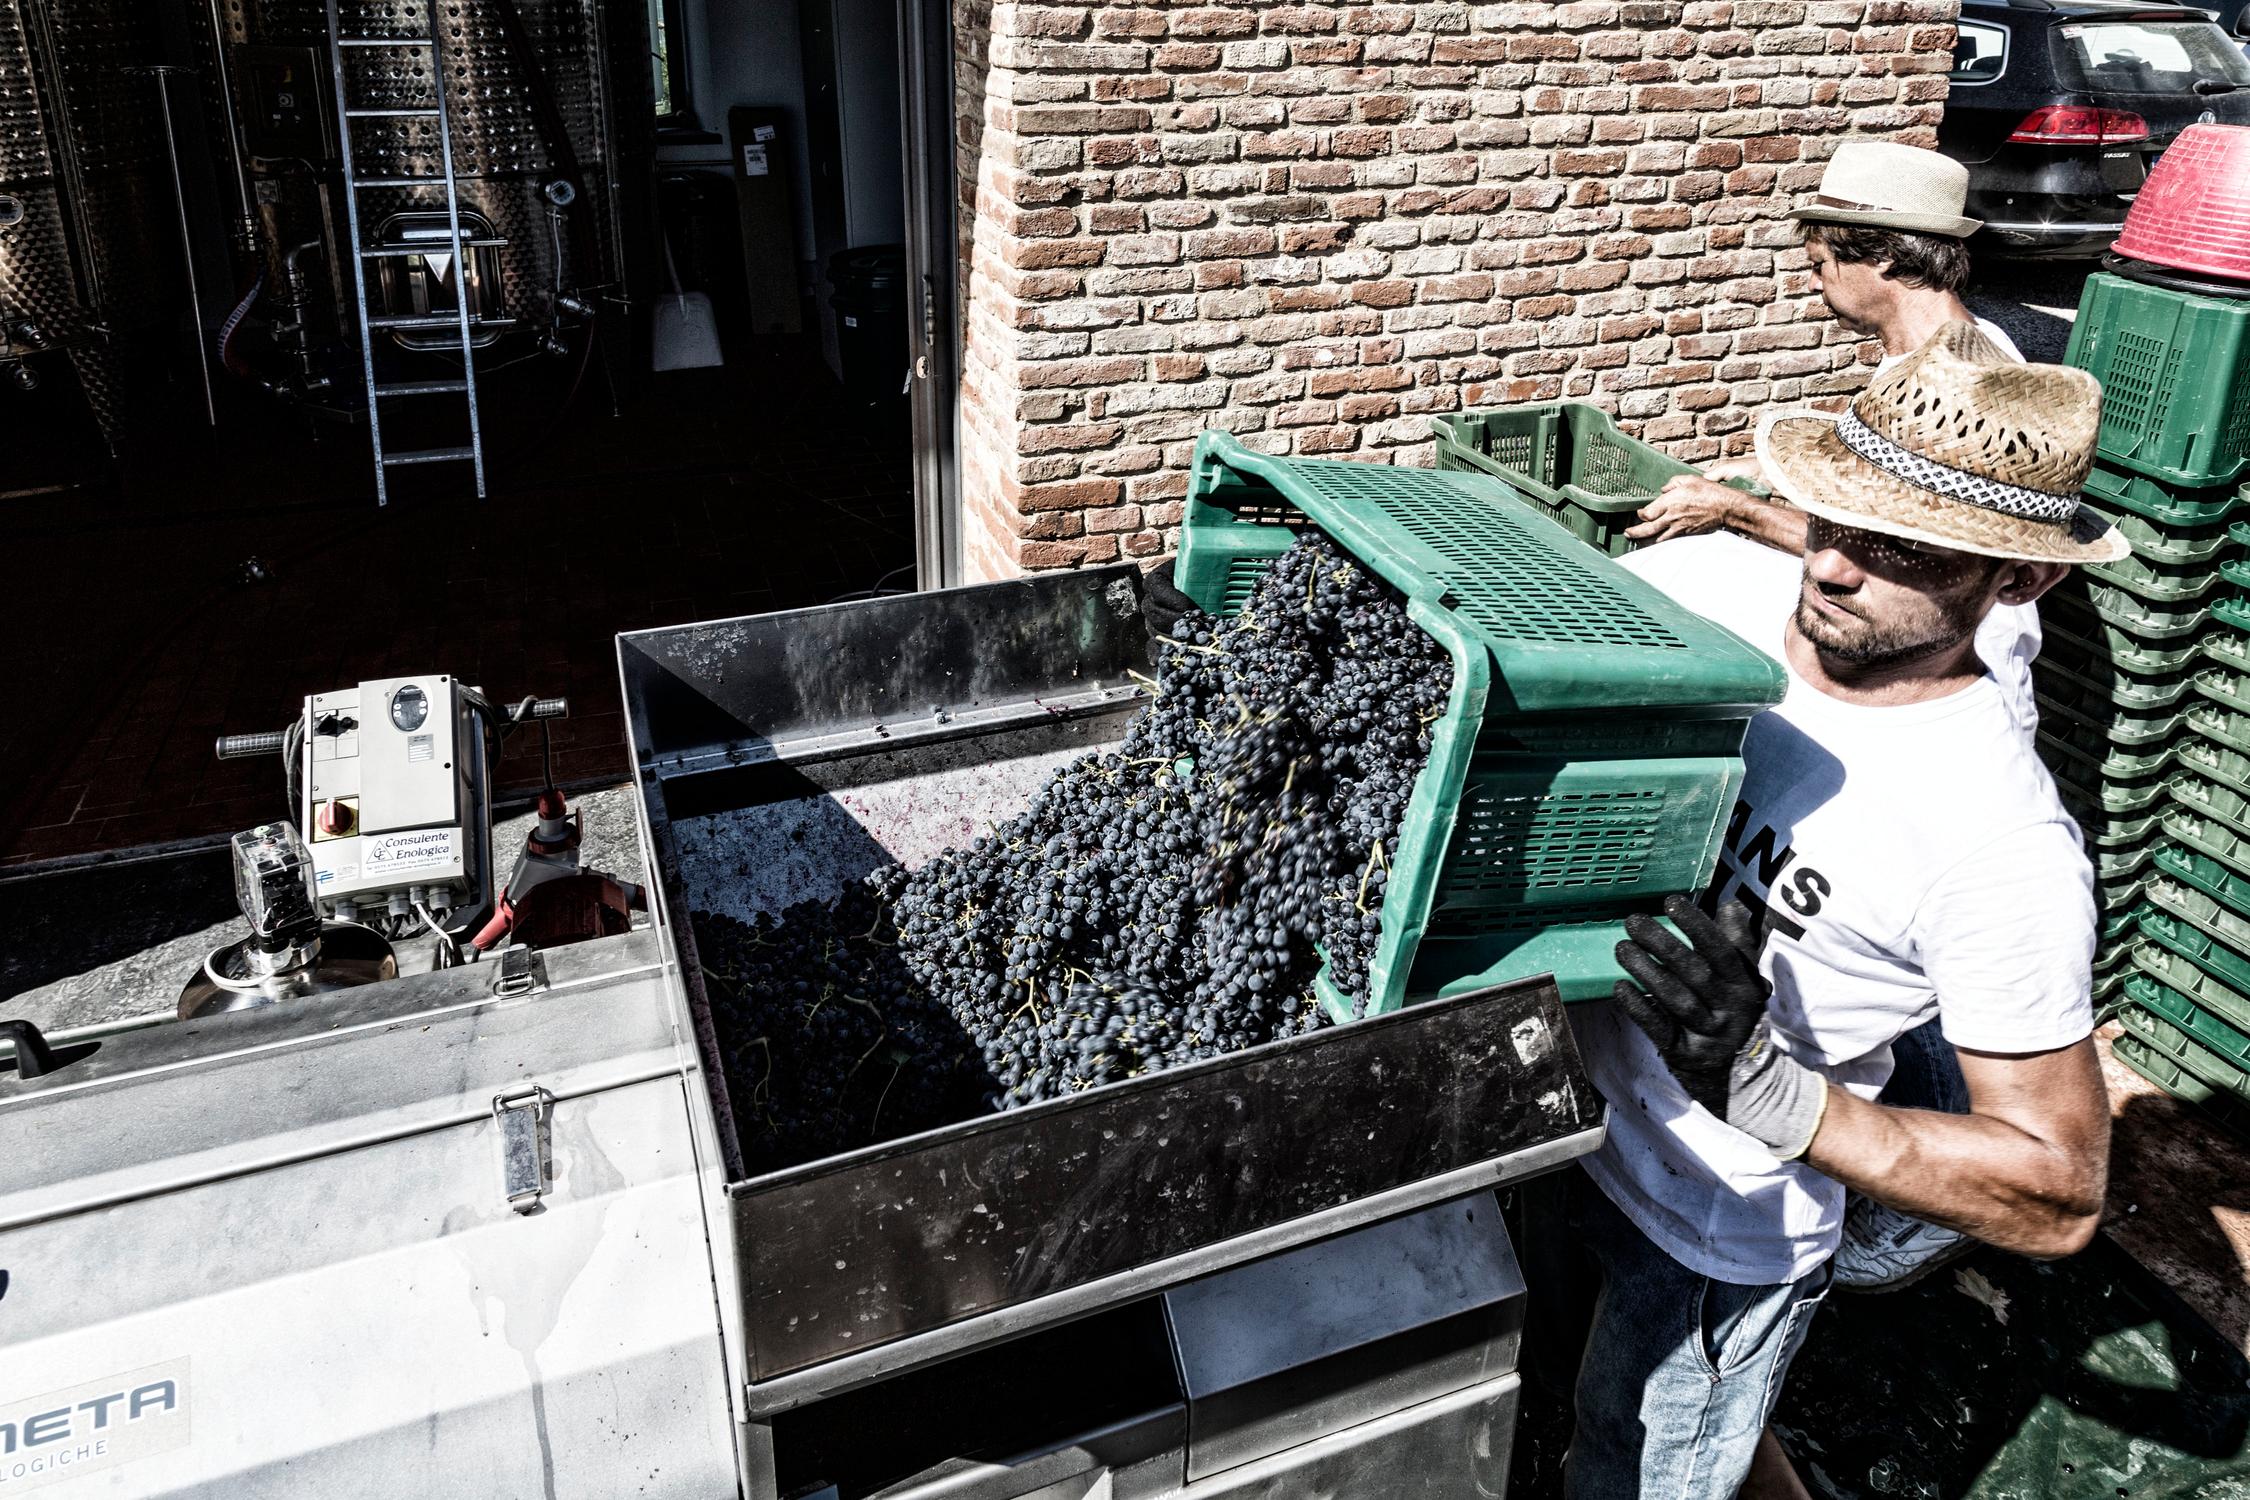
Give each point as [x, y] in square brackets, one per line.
[363, 253]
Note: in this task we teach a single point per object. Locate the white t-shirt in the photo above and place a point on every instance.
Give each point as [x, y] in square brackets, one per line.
[2008, 640]
[1914, 861]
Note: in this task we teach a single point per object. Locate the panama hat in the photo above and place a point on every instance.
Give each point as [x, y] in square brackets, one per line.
[1958, 446]
[1884, 185]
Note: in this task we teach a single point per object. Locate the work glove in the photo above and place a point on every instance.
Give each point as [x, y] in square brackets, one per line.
[1163, 606]
[1703, 1004]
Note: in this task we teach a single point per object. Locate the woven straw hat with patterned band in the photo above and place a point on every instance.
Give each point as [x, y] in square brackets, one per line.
[1957, 446]
[1884, 185]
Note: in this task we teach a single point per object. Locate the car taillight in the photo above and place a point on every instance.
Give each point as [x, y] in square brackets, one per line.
[2080, 125]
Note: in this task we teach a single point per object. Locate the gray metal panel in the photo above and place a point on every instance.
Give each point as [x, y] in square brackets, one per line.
[1454, 1448]
[195, 1101]
[382, 1312]
[1282, 1350]
[1137, 1459]
[905, 1239]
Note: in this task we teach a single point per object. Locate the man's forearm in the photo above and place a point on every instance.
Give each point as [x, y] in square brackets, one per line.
[1981, 1175]
[1781, 527]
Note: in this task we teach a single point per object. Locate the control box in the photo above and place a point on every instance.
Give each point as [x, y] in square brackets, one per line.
[392, 782]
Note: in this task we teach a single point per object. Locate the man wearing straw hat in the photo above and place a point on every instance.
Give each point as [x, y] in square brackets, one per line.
[1885, 232]
[1898, 854]
[1886, 235]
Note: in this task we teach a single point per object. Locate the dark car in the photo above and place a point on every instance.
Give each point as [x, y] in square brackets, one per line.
[2059, 108]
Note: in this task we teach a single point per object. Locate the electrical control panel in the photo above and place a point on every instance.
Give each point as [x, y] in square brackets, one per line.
[392, 789]
[286, 113]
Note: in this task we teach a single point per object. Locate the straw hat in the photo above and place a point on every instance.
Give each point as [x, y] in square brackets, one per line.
[1885, 185]
[1957, 446]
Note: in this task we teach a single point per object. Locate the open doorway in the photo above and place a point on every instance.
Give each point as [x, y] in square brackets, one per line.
[671, 310]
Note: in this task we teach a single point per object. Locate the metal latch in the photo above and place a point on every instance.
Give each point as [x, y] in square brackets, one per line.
[522, 1117]
[517, 975]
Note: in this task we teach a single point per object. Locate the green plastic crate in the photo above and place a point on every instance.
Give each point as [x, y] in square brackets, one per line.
[2231, 611]
[1568, 459]
[2178, 544]
[2149, 1058]
[2175, 375]
[2207, 914]
[2207, 799]
[2103, 829]
[2080, 639]
[2189, 992]
[2224, 687]
[2112, 897]
[2219, 974]
[1590, 753]
[2114, 865]
[2221, 726]
[2149, 621]
[2214, 762]
[2207, 876]
[2084, 779]
[2060, 672]
[2112, 490]
[2088, 722]
[2207, 837]
[2229, 648]
[2148, 1024]
[2163, 583]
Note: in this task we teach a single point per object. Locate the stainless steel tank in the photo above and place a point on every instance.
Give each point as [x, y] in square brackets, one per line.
[82, 192]
[502, 160]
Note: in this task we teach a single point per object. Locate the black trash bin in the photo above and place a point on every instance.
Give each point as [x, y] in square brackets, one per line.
[870, 306]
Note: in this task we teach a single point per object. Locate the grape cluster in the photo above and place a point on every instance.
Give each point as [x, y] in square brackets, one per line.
[1163, 900]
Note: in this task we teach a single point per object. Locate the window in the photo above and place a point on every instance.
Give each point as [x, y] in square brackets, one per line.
[668, 62]
[1979, 53]
[2148, 57]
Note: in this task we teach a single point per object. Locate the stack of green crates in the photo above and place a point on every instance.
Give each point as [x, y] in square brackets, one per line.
[2144, 684]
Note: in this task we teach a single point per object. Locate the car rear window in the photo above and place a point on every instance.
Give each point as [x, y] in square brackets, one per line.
[2147, 57]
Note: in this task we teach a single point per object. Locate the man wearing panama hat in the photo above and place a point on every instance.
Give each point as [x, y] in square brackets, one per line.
[1898, 853]
[1886, 236]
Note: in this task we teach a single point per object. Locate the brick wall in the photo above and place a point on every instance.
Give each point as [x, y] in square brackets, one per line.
[1316, 224]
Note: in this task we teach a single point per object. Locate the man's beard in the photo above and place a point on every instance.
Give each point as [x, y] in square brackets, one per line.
[1871, 645]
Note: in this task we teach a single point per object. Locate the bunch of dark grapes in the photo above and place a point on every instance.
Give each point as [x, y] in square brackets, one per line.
[830, 1043]
[1167, 899]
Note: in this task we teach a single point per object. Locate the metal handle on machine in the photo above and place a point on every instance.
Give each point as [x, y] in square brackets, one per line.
[34, 1058]
[524, 1172]
[249, 746]
[544, 708]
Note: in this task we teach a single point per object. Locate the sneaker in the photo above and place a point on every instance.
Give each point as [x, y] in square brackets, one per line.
[1884, 1250]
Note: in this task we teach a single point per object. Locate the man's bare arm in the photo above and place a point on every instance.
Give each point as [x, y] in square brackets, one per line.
[1690, 504]
[2025, 1171]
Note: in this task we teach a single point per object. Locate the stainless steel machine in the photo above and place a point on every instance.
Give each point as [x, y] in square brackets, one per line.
[485, 1230]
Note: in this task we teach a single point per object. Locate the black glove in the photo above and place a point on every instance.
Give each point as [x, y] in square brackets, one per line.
[1703, 1003]
[1163, 606]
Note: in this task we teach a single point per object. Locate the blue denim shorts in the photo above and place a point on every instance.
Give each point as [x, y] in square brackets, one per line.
[1680, 1370]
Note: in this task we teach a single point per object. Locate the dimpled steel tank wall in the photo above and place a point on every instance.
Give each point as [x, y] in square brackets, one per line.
[83, 198]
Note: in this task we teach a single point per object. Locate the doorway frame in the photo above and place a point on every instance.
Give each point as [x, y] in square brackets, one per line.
[926, 122]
